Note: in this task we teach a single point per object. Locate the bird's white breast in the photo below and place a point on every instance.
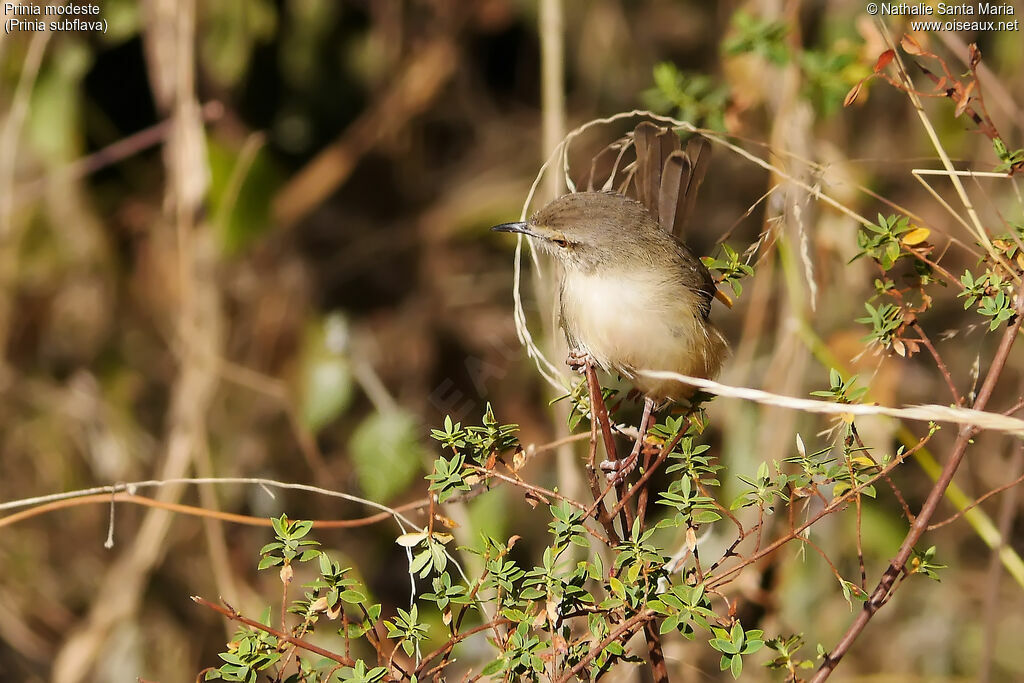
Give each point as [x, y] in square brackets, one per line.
[634, 321]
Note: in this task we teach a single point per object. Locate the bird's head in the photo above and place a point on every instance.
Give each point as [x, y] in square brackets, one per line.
[587, 230]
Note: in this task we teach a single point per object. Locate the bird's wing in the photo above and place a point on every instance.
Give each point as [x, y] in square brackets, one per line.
[703, 282]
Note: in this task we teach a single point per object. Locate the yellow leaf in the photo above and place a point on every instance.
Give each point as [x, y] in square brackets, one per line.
[916, 236]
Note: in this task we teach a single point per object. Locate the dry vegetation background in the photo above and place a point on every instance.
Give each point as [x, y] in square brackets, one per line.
[246, 238]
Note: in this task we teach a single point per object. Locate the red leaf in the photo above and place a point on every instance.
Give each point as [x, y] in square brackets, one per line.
[883, 60]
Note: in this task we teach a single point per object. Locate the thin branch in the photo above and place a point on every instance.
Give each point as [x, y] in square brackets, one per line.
[232, 613]
[629, 626]
[976, 503]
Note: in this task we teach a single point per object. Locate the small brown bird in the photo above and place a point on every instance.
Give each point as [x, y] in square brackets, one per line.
[632, 296]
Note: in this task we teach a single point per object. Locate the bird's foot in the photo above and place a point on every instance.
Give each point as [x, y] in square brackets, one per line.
[616, 471]
[577, 361]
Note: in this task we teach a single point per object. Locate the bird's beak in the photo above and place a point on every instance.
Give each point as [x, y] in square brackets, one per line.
[515, 227]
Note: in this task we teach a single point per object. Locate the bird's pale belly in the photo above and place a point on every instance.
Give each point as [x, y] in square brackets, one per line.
[637, 322]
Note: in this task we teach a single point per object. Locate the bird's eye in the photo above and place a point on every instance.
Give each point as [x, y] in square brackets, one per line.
[560, 243]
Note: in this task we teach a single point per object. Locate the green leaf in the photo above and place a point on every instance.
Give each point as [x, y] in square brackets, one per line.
[386, 454]
[493, 668]
[736, 667]
[723, 645]
[352, 597]
[269, 561]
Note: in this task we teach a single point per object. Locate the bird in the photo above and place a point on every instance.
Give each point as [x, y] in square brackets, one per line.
[632, 296]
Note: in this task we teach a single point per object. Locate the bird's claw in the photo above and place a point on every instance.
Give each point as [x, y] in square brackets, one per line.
[577, 361]
[617, 470]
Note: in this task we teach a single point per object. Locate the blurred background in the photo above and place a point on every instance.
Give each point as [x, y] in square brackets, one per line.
[248, 238]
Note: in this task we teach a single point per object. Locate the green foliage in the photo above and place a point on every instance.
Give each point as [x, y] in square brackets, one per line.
[886, 321]
[693, 460]
[827, 73]
[764, 489]
[692, 508]
[579, 398]
[841, 391]
[788, 647]
[684, 608]
[750, 34]
[733, 644]
[993, 295]
[830, 73]
[567, 525]
[333, 586]
[731, 270]
[688, 96]
[407, 629]
[881, 241]
[924, 563]
[1010, 159]
[248, 653]
[448, 477]
[539, 605]
[360, 674]
[852, 591]
[446, 594]
[330, 594]
[478, 443]
[431, 556]
[521, 659]
[290, 543]
[997, 308]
